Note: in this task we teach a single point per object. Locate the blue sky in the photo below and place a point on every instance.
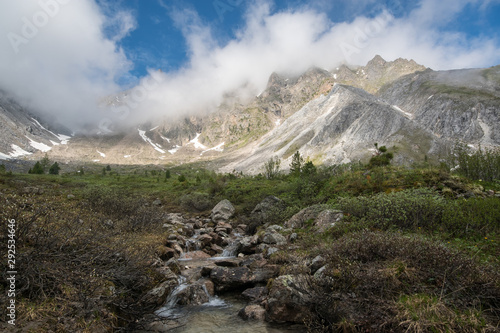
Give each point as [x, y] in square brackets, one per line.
[62, 57]
[158, 41]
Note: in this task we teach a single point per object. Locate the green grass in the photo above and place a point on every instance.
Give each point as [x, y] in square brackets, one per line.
[405, 230]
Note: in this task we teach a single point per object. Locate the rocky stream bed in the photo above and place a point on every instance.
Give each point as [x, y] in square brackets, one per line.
[218, 278]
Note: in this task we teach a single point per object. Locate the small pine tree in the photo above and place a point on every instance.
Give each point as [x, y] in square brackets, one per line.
[296, 164]
[167, 174]
[37, 169]
[44, 162]
[181, 178]
[2, 169]
[381, 158]
[309, 169]
[272, 167]
[54, 169]
[103, 171]
[108, 167]
[81, 171]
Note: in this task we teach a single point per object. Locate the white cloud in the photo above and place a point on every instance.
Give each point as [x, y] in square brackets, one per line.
[71, 63]
[55, 57]
[294, 40]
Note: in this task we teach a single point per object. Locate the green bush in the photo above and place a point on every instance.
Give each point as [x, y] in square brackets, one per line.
[407, 209]
[482, 164]
[195, 201]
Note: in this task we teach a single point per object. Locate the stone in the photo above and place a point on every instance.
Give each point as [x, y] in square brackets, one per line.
[198, 224]
[70, 196]
[166, 253]
[227, 279]
[175, 219]
[157, 203]
[193, 294]
[267, 207]
[205, 240]
[158, 295]
[288, 300]
[327, 219]
[253, 312]
[196, 255]
[306, 214]
[270, 251]
[222, 212]
[255, 294]
[293, 237]
[317, 263]
[216, 248]
[223, 226]
[228, 262]
[273, 237]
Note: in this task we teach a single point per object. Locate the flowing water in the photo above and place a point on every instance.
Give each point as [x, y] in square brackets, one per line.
[219, 314]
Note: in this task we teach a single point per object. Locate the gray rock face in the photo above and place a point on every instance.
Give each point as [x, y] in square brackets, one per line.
[299, 219]
[327, 219]
[288, 300]
[253, 312]
[222, 212]
[270, 205]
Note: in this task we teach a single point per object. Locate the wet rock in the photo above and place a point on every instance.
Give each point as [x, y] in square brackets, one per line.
[288, 300]
[253, 312]
[216, 248]
[226, 279]
[158, 295]
[223, 226]
[222, 212]
[255, 294]
[228, 262]
[166, 253]
[198, 224]
[196, 255]
[247, 245]
[205, 240]
[193, 294]
[254, 261]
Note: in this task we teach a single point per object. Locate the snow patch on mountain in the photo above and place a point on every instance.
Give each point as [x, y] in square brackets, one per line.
[156, 146]
[216, 148]
[196, 142]
[18, 151]
[38, 145]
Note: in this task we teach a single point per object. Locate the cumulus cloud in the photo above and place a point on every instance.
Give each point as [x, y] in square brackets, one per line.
[291, 41]
[71, 61]
[56, 58]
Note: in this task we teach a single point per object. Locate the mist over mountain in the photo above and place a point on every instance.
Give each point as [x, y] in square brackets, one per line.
[331, 117]
[62, 59]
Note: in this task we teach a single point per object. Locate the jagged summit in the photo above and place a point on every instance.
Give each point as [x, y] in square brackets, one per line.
[329, 116]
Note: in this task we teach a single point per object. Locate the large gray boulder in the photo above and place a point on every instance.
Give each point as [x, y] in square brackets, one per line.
[289, 300]
[222, 212]
[306, 214]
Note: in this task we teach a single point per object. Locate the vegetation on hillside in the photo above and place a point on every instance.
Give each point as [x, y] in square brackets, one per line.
[417, 250]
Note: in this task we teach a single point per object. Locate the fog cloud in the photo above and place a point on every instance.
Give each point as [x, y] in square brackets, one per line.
[71, 61]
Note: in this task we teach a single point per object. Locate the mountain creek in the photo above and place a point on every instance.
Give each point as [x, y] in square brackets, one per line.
[221, 277]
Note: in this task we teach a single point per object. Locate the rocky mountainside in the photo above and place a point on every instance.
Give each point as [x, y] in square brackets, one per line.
[329, 116]
[21, 134]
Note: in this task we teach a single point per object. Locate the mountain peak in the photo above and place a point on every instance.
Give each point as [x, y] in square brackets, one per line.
[377, 61]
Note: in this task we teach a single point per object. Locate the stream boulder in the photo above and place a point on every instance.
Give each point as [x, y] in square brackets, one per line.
[222, 212]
